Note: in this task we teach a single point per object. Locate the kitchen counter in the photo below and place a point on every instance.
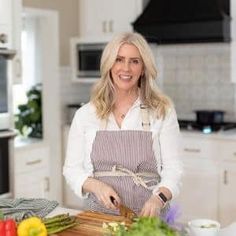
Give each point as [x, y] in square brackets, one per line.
[223, 135]
[21, 142]
[63, 210]
[227, 231]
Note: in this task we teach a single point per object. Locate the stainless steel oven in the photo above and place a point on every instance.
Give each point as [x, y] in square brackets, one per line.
[5, 55]
[6, 173]
[6, 134]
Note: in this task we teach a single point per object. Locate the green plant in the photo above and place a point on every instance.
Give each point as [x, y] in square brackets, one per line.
[28, 121]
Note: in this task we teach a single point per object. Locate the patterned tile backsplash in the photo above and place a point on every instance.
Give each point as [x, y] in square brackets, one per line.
[198, 76]
[195, 76]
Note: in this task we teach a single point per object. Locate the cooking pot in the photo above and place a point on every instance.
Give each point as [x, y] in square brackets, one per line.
[209, 117]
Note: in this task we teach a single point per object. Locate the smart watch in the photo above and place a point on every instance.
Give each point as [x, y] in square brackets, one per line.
[161, 197]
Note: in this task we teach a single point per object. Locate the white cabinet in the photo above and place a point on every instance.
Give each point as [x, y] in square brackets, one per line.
[199, 194]
[70, 200]
[5, 23]
[5, 12]
[227, 211]
[106, 17]
[31, 167]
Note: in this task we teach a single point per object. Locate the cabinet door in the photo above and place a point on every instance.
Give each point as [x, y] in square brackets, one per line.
[199, 194]
[32, 171]
[33, 185]
[124, 14]
[92, 15]
[227, 205]
[227, 212]
[5, 12]
[5, 23]
[103, 18]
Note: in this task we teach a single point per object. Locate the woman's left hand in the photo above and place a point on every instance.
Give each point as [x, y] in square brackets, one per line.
[152, 207]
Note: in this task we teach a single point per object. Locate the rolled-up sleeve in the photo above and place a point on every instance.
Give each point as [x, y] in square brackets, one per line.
[74, 168]
[167, 142]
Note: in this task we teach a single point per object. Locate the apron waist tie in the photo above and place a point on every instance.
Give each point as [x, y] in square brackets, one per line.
[137, 177]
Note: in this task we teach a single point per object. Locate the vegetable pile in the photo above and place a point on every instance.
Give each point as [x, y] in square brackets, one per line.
[35, 226]
[143, 226]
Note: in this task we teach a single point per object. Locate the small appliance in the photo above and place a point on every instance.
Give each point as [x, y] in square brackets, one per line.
[85, 59]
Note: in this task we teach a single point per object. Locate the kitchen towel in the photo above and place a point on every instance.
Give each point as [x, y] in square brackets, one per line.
[22, 208]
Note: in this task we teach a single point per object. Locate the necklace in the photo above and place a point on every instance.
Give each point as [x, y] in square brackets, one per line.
[122, 116]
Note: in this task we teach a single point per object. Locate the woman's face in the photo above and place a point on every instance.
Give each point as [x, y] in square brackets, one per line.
[127, 68]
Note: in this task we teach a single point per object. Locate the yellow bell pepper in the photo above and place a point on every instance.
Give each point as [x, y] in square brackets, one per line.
[32, 226]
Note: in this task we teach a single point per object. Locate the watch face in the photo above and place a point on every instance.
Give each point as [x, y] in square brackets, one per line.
[163, 197]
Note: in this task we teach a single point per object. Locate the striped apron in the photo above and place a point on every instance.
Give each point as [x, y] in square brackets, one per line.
[125, 160]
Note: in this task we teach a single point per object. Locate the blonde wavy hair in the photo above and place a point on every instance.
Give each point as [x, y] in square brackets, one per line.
[103, 93]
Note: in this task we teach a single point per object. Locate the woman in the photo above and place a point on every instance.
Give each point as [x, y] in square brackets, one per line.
[123, 144]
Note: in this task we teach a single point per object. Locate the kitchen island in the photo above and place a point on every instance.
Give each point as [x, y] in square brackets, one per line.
[89, 223]
[230, 230]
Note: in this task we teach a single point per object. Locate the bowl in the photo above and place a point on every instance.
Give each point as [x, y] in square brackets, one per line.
[203, 227]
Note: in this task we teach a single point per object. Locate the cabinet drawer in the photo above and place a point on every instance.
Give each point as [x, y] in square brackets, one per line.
[197, 147]
[33, 184]
[31, 159]
[228, 151]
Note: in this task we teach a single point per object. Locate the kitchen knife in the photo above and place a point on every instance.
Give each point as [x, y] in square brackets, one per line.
[124, 210]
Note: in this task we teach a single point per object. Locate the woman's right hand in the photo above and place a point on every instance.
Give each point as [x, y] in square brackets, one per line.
[103, 192]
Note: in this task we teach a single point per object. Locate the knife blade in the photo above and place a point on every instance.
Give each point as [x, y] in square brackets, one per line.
[124, 210]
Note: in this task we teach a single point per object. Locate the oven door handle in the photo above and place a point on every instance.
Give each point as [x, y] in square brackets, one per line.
[7, 53]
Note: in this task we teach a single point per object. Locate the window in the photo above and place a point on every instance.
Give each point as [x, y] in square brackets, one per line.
[30, 47]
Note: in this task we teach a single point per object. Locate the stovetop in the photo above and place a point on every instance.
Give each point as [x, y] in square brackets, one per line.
[209, 128]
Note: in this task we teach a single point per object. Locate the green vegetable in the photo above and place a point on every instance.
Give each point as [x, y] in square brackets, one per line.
[1, 215]
[59, 223]
[146, 226]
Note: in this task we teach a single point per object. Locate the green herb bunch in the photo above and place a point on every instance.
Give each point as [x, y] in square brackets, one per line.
[28, 121]
[148, 226]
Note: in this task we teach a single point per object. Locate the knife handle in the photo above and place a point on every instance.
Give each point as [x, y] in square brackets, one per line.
[113, 200]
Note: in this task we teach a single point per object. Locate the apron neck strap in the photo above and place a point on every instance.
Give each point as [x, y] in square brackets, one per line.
[145, 117]
[103, 124]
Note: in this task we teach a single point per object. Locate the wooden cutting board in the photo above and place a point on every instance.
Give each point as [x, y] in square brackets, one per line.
[90, 223]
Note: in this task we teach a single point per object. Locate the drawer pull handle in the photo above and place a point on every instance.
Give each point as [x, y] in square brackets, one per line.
[234, 154]
[104, 26]
[30, 163]
[195, 150]
[46, 184]
[225, 177]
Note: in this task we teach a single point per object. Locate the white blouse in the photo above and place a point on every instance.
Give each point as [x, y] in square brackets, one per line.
[165, 133]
